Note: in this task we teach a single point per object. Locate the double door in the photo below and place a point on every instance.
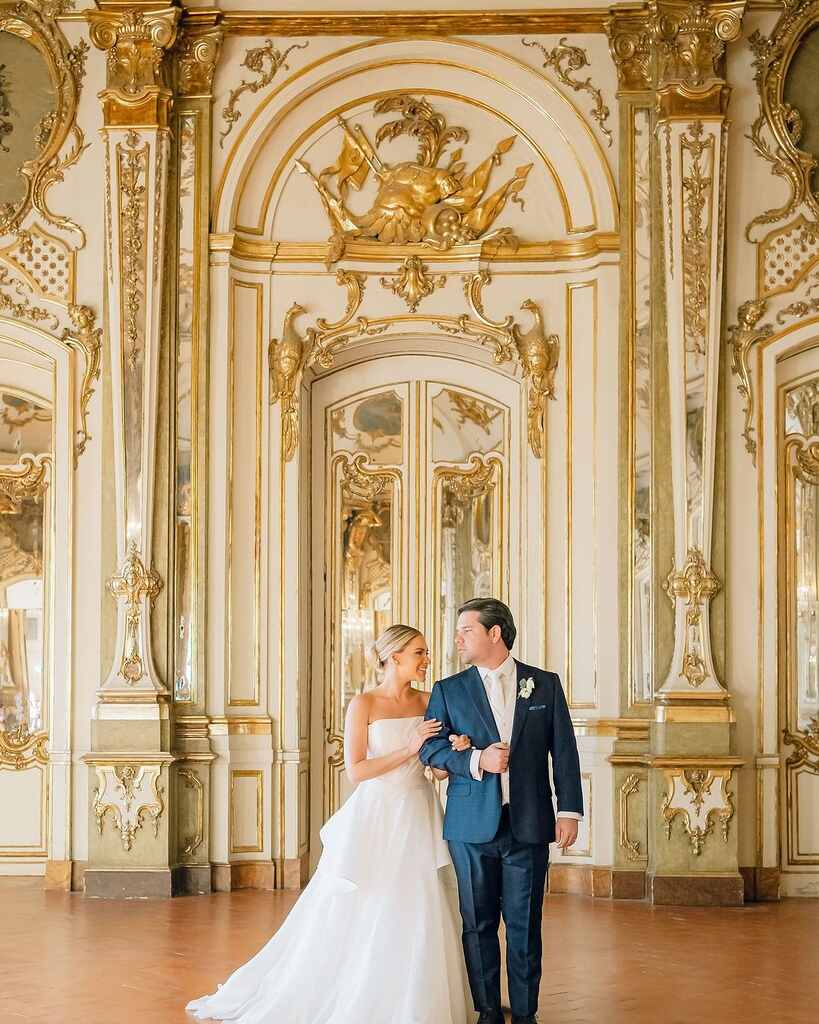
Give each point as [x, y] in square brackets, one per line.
[414, 465]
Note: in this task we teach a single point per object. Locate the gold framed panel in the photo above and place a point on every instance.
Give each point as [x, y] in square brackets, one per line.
[258, 775]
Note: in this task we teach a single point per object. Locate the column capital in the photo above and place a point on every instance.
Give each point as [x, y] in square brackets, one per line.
[197, 54]
[691, 38]
[630, 43]
[136, 39]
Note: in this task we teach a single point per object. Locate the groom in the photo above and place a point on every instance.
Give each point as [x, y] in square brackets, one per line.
[499, 817]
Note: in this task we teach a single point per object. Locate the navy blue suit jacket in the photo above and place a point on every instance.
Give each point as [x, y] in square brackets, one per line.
[542, 726]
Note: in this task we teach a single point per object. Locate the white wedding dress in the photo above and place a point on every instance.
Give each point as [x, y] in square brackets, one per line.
[375, 938]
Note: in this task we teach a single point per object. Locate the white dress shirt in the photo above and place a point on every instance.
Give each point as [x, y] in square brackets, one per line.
[501, 689]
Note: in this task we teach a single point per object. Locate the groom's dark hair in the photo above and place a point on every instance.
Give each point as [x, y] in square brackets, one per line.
[493, 613]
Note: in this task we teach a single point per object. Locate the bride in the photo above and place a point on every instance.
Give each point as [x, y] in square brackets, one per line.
[376, 936]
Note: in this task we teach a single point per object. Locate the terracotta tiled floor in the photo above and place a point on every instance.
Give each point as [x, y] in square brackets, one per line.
[68, 960]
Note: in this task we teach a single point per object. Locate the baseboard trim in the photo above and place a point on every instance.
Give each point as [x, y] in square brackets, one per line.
[139, 884]
[761, 884]
[697, 890]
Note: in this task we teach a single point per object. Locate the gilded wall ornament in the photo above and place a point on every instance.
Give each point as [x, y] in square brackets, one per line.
[134, 584]
[629, 787]
[538, 353]
[265, 62]
[777, 130]
[86, 339]
[197, 53]
[28, 479]
[34, 22]
[701, 797]
[564, 61]
[132, 161]
[421, 201]
[6, 110]
[21, 749]
[698, 155]
[806, 746]
[21, 308]
[413, 282]
[286, 359]
[742, 336]
[696, 584]
[131, 792]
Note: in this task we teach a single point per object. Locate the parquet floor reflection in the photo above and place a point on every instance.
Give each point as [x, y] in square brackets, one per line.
[69, 960]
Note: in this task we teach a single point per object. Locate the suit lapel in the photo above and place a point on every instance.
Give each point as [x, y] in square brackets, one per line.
[477, 691]
[521, 706]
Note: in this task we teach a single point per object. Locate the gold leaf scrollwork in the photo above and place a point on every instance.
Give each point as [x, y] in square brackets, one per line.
[286, 360]
[696, 584]
[413, 282]
[564, 60]
[473, 481]
[701, 797]
[86, 339]
[135, 42]
[133, 176]
[135, 584]
[806, 746]
[192, 781]
[335, 759]
[21, 308]
[264, 61]
[742, 336]
[777, 130]
[20, 749]
[629, 787]
[130, 792]
[28, 479]
[422, 201]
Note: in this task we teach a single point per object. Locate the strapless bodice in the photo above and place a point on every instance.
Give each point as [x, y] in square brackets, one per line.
[386, 735]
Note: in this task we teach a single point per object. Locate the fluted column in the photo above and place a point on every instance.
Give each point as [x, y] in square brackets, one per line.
[130, 835]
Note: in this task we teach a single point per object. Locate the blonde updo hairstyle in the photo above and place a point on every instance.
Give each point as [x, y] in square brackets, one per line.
[394, 639]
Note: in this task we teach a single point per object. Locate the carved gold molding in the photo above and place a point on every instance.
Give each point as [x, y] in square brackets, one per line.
[696, 584]
[392, 24]
[701, 796]
[564, 60]
[691, 39]
[136, 42]
[21, 308]
[413, 282]
[192, 781]
[590, 246]
[630, 786]
[130, 792]
[134, 585]
[777, 130]
[28, 479]
[806, 746]
[21, 749]
[34, 21]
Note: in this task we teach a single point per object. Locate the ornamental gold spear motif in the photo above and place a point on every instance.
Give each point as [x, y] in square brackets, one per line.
[423, 201]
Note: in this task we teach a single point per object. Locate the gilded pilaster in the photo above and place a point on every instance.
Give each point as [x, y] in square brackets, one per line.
[130, 782]
[670, 58]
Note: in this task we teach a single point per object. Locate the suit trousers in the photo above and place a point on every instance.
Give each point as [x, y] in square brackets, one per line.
[502, 877]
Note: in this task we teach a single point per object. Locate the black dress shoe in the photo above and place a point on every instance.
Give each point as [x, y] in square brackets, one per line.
[491, 1017]
[525, 1020]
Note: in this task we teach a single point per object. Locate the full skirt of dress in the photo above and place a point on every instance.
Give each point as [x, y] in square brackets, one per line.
[375, 938]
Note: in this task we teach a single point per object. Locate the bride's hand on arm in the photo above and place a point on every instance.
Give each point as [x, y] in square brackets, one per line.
[360, 767]
[458, 743]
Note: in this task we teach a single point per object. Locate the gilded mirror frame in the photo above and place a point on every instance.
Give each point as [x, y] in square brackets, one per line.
[772, 59]
[34, 22]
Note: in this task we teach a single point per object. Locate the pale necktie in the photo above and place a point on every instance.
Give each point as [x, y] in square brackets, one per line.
[497, 696]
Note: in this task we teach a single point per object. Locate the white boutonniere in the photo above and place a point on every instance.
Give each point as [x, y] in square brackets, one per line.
[525, 688]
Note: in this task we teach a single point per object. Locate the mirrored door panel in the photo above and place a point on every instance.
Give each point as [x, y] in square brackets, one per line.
[411, 482]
